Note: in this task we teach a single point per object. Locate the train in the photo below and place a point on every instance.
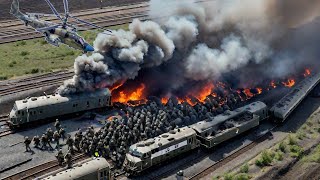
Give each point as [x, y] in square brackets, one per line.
[283, 108]
[213, 131]
[45, 107]
[91, 169]
[207, 133]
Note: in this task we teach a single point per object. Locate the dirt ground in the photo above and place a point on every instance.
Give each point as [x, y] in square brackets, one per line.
[36, 6]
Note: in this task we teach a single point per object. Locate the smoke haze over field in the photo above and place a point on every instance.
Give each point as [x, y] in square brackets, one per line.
[245, 41]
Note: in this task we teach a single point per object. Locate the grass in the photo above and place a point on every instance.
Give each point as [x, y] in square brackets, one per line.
[244, 168]
[37, 56]
[265, 159]
[313, 156]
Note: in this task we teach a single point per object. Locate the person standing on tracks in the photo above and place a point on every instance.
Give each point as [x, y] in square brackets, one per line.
[27, 142]
[60, 157]
[36, 141]
[68, 160]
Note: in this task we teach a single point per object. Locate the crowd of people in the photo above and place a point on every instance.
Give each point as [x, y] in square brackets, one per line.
[139, 123]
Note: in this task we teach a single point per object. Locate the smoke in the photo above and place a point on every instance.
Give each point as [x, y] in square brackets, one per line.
[200, 42]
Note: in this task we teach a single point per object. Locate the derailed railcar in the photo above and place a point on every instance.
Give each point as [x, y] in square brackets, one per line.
[145, 154]
[54, 106]
[281, 110]
[94, 169]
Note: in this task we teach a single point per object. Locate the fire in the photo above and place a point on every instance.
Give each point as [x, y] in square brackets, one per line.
[273, 84]
[134, 95]
[307, 72]
[259, 90]
[164, 100]
[204, 92]
[289, 83]
[248, 93]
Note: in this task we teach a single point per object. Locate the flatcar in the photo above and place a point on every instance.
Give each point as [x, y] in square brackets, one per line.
[208, 133]
[94, 169]
[145, 154]
[54, 106]
[283, 108]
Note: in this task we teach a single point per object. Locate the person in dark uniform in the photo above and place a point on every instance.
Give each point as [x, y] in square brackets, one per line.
[36, 141]
[60, 157]
[56, 137]
[57, 125]
[27, 142]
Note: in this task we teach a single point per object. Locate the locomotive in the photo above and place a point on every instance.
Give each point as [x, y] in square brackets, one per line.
[207, 133]
[54, 106]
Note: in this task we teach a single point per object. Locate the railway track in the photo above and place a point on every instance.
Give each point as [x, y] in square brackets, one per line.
[34, 82]
[15, 31]
[42, 169]
[9, 83]
[4, 127]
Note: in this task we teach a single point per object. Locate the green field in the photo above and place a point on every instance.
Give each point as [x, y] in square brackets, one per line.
[37, 56]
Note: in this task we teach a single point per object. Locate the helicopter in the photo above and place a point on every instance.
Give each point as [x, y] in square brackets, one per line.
[56, 33]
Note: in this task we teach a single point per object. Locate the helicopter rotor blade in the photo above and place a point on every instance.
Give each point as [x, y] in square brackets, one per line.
[66, 7]
[89, 24]
[54, 10]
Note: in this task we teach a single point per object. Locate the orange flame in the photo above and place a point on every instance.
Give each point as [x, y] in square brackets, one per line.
[164, 100]
[273, 84]
[248, 93]
[204, 92]
[259, 90]
[134, 95]
[289, 83]
[307, 72]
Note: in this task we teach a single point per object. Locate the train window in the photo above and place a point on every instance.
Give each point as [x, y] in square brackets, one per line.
[99, 100]
[18, 112]
[22, 113]
[101, 175]
[170, 139]
[189, 141]
[88, 104]
[40, 112]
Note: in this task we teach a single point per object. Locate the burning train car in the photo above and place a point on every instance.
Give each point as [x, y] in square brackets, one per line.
[283, 108]
[35, 109]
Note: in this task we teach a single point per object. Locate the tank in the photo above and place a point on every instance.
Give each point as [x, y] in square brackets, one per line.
[54, 106]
